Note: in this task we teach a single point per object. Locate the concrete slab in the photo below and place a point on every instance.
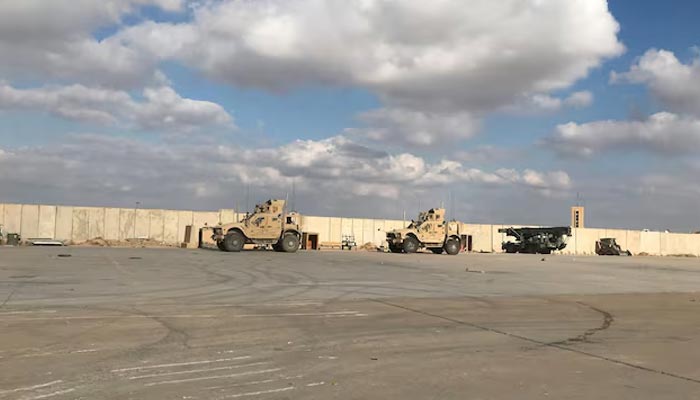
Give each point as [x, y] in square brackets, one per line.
[47, 222]
[111, 224]
[127, 223]
[157, 225]
[13, 218]
[170, 227]
[81, 224]
[97, 222]
[227, 216]
[30, 221]
[64, 223]
[142, 224]
[164, 324]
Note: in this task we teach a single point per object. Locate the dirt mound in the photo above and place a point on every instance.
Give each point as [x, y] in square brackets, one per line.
[98, 242]
[368, 247]
[130, 243]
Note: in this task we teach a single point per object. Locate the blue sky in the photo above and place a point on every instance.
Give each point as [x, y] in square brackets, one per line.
[373, 117]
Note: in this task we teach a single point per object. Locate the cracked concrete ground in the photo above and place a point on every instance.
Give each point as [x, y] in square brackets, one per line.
[165, 323]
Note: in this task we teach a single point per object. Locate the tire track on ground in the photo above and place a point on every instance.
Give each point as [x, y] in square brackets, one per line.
[541, 343]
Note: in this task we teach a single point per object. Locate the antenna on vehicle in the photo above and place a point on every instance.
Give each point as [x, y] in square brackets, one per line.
[247, 197]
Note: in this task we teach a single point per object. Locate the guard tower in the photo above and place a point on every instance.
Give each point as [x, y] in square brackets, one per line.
[578, 215]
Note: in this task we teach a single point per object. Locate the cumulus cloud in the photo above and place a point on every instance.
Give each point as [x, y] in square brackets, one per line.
[162, 109]
[437, 63]
[411, 128]
[675, 132]
[663, 133]
[544, 103]
[92, 169]
[54, 40]
[675, 84]
[425, 55]
[580, 99]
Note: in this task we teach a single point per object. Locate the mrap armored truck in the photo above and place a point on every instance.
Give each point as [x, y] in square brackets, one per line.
[270, 224]
[431, 232]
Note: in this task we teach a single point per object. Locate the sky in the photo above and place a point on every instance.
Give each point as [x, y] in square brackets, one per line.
[504, 112]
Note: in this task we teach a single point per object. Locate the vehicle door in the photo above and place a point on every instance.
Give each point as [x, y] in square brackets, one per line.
[272, 226]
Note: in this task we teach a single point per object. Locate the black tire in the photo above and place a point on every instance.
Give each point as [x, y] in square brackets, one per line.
[452, 246]
[234, 242]
[277, 247]
[394, 248]
[510, 248]
[436, 251]
[410, 245]
[289, 243]
[220, 245]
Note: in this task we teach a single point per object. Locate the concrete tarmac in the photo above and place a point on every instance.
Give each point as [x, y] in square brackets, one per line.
[101, 323]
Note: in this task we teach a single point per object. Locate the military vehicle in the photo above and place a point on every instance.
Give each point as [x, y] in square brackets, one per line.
[609, 247]
[431, 232]
[270, 224]
[536, 240]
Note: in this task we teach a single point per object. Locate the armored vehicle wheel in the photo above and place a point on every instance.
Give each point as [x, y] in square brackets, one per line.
[436, 251]
[452, 246]
[233, 242]
[220, 245]
[289, 243]
[510, 248]
[410, 245]
[394, 249]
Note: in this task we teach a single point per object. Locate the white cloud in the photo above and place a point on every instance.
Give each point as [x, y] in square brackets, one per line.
[581, 99]
[435, 63]
[438, 55]
[91, 169]
[544, 103]
[663, 133]
[677, 132]
[415, 128]
[162, 108]
[53, 40]
[675, 84]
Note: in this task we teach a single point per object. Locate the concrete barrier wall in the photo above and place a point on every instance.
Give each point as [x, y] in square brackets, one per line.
[79, 224]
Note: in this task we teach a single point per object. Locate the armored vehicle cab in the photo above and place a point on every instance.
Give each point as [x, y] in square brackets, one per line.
[430, 231]
[270, 224]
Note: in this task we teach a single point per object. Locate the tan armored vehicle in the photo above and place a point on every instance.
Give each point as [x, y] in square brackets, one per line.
[270, 224]
[431, 231]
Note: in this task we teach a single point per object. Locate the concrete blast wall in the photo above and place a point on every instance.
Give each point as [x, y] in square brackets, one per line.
[79, 224]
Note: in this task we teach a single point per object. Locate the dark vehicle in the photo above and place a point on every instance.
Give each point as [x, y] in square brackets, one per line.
[609, 247]
[536, 240]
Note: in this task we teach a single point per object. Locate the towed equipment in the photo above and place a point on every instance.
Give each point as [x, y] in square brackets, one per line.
[536, 240]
